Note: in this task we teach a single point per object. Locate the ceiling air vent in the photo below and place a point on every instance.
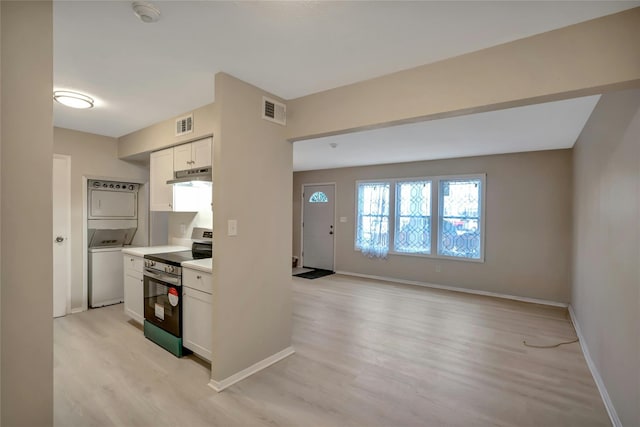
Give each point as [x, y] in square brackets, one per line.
[274, 111]
[184, 125]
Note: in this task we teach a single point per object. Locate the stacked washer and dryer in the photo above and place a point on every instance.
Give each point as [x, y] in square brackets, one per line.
[112, 223]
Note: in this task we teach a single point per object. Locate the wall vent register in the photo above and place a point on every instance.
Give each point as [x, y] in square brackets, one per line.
[274, 111]
[184, 125]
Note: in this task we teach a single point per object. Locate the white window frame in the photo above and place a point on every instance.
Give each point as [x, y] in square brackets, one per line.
[481, 222]
[395, 183]
[436, 210]
[357, 217]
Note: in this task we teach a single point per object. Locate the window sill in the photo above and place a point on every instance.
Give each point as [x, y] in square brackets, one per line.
[432, 256]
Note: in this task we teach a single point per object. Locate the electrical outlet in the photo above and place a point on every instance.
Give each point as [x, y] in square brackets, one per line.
[438, 268]
[232, 227]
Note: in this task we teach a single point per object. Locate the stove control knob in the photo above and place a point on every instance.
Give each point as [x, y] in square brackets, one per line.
[169, 269]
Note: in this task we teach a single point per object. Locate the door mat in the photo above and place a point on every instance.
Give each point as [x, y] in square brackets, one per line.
[314, 274]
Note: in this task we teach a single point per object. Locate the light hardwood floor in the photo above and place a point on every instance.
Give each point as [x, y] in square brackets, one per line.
[368, 353]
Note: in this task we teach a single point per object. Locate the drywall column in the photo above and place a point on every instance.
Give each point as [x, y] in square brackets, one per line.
[606, 247]
[582, 59]
[252, 177]
[26, 218]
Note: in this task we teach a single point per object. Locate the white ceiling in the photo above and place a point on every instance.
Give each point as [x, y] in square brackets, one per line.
[141, 74]
[547, 126]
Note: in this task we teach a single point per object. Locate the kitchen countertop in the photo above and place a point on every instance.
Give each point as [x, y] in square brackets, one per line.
[145, 250]
[204, 264]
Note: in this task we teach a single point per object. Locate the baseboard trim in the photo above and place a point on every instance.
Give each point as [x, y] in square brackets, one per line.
[239, 376]
[456, 289]
[611, 410]
[77, 310]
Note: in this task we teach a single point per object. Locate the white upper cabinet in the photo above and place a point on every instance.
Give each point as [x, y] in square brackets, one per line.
[184, 197]
[201, 153]
[182, 157]
[160, 171]
[196, 154]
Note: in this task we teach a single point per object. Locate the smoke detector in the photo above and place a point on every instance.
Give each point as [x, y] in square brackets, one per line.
[146, 12]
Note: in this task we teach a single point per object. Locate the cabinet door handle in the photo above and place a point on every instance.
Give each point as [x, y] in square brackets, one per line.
[198, 277]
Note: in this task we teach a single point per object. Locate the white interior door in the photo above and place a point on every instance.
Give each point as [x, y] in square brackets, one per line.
[317, 226]
[61, 231]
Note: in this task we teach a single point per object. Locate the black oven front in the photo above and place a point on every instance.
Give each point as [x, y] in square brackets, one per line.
[163, 300]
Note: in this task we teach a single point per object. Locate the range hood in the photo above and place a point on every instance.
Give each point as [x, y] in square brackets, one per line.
[198, 174]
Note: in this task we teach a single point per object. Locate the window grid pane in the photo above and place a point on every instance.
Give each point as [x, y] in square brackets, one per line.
[413, 217]
[373, 216]
[459, 234]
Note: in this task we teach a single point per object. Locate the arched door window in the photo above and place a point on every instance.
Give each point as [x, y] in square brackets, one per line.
[318, 197]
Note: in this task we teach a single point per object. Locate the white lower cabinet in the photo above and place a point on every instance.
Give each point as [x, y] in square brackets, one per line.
[133, 288]
[196, 314]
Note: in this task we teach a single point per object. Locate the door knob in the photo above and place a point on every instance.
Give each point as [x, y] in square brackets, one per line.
[59, 239]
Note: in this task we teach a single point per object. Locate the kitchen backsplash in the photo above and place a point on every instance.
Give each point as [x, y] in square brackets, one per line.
[181, 225]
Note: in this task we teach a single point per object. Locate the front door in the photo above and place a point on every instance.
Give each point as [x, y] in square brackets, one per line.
[317, 226]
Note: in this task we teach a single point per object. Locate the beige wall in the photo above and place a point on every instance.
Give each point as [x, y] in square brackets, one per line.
[582, 59]
[606, 246]
[0, 217]
[91, 156]
[252, 271]
[528, 224]
[26, 219]
[162, 134]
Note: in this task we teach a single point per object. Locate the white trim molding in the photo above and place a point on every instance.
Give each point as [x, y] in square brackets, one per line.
[456, 289]
[611, 410]
[239, 376]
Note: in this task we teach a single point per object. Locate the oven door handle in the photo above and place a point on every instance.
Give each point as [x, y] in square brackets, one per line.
[162, 277]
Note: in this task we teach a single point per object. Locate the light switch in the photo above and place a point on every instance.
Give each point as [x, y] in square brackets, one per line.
[232, 227]
[343, 219]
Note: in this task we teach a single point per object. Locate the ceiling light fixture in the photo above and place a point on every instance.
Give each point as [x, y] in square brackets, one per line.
[146, 12]
[72, 99]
